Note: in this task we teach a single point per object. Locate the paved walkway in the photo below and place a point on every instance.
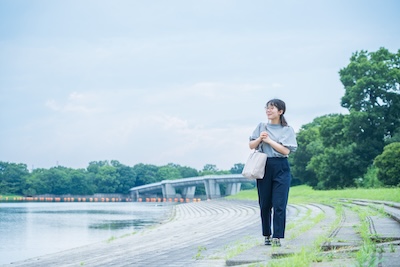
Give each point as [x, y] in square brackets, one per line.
[207, 233]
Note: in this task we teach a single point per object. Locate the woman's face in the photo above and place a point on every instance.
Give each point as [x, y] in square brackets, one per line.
[272, 112]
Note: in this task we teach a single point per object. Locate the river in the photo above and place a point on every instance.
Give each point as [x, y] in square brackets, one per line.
[31, 229]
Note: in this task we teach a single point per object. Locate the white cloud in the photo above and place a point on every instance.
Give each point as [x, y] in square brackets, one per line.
[80, 103]
[172, 82]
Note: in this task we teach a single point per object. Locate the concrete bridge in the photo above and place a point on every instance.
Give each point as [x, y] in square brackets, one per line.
[188, 186]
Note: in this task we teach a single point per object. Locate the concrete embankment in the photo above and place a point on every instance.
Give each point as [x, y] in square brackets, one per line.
[228, 233]
[195, 231]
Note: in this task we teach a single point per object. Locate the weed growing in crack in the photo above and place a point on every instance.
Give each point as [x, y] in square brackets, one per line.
[198, 255]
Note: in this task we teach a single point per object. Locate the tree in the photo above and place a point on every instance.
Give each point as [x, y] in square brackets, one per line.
[209, 169]
[79, 182]
[126, 176]
[188, 172]
[107, 179]
[168, 172]
[145, 174]
[61, 180]
[309, 145]
[388, 164]
[372, 95]
[237, 168]
[12, 177]
[56, 180]
[94, 166]
[336, 167]
[36, 184]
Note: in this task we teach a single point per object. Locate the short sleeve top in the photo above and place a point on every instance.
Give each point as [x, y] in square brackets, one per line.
[284, 135]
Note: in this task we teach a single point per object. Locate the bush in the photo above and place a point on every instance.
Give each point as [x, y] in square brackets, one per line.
[388, 165]
[370, 179]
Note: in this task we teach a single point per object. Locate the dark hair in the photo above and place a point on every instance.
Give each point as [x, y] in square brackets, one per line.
[280, 105]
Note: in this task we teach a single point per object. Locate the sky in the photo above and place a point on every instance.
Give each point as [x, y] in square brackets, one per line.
[178, 81]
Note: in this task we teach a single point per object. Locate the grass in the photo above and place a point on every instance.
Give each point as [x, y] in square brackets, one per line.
[305, 194]
[367, 255]
[239, 246]
[113, 238]
[199, 255]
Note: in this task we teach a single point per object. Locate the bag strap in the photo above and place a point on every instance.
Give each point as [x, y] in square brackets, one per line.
[260, 147]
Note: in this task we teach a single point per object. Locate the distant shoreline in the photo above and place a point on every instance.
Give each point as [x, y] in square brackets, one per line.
[93, 198]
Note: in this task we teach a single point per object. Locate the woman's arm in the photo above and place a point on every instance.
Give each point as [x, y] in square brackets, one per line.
[255, 143]
[277, 146]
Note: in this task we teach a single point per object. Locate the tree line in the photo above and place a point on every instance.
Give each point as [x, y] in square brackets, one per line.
[358, 149]
[361, 148]
[99, 177]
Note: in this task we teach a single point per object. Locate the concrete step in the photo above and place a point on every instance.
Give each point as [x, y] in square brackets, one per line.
[345, 235]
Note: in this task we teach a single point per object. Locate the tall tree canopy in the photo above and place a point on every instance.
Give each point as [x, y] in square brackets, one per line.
[372, 86]
[336, 150]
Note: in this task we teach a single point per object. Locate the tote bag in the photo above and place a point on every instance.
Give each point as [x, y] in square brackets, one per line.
[255, 165]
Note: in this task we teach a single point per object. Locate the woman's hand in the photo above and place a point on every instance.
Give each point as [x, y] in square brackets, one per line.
[256, 142]
[277, 146]
[263, 135]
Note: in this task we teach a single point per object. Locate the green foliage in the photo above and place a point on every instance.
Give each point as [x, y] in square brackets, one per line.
[309, 145]
[79, 184]
[145, 174]
[388, 165]
[333, 130]
[395, 137]
[126, 177]
[370, 179]
[55, 180]
[187, 171]
[168, 172]
[335, 150]
[106, 179]
[237, 168]
[372, 95]
[336, 167]
[12, 177]
[210, 169]
[99, 177]
[372, 81]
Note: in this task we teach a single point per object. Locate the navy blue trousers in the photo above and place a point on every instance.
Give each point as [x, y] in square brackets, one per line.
[273, 193]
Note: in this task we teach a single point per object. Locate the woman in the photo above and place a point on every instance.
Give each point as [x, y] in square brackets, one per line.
[277, 139]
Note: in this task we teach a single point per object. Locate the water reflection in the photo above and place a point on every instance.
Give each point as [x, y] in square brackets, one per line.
[34, 229]
[121, 224]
